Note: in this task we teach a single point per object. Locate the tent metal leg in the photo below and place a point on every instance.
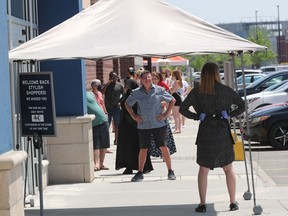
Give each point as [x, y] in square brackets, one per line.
[247, 194]
[257, 208]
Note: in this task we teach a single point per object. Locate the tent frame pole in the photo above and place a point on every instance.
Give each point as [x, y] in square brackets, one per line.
[247, 194]
[257, 208]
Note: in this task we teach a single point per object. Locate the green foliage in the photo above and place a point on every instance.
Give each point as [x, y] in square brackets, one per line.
[197, 61]
[254, 60]
[261, 36]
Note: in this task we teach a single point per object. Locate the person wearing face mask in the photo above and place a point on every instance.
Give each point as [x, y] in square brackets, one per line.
[113, 91]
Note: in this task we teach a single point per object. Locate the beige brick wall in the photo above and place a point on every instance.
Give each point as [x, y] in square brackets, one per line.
[70, 153]
[11, 183]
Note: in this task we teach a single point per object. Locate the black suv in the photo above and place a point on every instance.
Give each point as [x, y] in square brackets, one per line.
[264, 82]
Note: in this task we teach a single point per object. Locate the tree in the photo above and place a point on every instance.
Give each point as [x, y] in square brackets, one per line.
[254, 60]
[261, 38]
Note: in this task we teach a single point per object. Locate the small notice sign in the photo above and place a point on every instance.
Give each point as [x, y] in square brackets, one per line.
[37, 104]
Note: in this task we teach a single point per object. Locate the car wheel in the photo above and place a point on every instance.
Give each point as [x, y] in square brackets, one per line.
[278, 135]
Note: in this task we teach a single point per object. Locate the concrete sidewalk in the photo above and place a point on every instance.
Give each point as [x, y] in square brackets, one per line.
[112, 193]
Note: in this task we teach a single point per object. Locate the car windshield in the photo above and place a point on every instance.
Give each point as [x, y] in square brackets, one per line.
[281, 88]
[256, 82]
[248, 78]
[276, 86]
[270, 81]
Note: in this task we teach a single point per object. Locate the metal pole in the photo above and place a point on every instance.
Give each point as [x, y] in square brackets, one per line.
[247, 194]
[40, 181]
[257, 208]
[256, 26]
[279, 34]
[38, 141]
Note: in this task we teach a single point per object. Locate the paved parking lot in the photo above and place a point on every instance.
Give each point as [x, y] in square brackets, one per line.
[273, 162]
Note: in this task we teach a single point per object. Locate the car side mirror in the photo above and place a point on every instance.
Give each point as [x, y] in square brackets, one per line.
[264, 86]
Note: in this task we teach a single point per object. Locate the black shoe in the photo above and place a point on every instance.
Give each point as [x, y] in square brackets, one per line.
[127, 171]
[201, 208]
[234, 206]
[138, 177]
[171, 175]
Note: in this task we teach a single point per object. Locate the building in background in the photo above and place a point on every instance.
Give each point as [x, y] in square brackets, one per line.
[279, 44]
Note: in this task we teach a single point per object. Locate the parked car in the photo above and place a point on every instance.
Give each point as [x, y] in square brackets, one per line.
[196, 76]
[249, 78]
[264, 82]
[264, 98]
[273, 68]
[269, 125]
[248, 71]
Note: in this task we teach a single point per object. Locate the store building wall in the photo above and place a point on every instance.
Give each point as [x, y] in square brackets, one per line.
[5, 104]
[11, 173]
[69, 75]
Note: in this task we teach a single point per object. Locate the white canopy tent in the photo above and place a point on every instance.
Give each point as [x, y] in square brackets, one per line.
[110, 29]
[150, 28]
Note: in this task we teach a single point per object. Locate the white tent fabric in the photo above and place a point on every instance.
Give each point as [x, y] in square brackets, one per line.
[113, 28]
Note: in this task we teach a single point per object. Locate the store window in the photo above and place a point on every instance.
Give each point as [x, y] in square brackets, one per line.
[17, 8]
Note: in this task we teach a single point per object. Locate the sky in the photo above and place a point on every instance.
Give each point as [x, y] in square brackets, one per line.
[227, 11]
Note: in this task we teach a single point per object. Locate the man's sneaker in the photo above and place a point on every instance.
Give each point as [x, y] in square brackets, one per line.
[138, 177]
[171, 175]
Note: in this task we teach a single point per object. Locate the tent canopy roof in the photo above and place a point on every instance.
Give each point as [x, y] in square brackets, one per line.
[110, 29]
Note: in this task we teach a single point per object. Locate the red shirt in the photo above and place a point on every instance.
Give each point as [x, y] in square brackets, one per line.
[164, 85]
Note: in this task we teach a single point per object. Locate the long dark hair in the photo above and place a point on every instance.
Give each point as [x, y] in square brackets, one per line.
[209, 76]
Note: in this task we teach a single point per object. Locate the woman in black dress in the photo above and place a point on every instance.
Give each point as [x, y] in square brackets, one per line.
[128, 139]
[212, 103]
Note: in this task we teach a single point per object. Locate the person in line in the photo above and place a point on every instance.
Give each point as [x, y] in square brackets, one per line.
[95, 85]
[128, 139]
[184, 92]
[166, 74]
[113, 91]
[137, 75]
[212, 102]
[150, 120]
[175, 90]
[154, 151]
[157, 79]
[130, 73]
[100, 131]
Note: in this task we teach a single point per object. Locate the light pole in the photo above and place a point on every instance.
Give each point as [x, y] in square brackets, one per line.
[256, 25]
[279, 34]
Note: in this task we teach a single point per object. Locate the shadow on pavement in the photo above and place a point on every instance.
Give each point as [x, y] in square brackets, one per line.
[177, 210]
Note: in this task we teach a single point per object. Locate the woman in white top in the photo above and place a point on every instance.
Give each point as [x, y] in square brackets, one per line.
[176, 90]
[167, 78]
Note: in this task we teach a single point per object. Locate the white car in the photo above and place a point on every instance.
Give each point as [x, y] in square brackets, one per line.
[249, 78]
[247, 71]
[265, 98]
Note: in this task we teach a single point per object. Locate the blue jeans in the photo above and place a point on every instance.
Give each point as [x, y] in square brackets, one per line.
[115, 114]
